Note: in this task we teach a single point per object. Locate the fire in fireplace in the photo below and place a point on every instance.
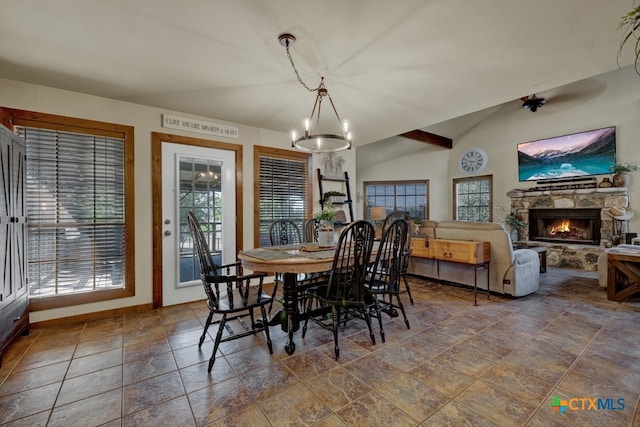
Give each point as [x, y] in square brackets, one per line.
[565, 225]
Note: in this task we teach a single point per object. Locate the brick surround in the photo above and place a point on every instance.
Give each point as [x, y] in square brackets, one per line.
[576, 256]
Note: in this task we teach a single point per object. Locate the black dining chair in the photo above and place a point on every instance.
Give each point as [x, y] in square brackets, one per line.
[236, 301]
[310, 231]
[282, 232]
[406, 252]
[383, 276]
[344, 290]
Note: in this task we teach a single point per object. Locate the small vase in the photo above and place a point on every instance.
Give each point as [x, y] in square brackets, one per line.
[514, 235]
[325, 233]
[606, 183]
[620, 179]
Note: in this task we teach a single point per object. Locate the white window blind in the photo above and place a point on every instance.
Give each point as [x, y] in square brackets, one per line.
[75, 210]
[283, 192]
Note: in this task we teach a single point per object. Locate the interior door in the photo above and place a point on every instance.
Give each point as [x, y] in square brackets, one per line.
[201, 180]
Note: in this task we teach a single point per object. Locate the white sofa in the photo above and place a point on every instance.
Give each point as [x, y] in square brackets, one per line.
[512, 272]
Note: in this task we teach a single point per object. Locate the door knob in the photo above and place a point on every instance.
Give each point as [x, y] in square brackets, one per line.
[167, 233]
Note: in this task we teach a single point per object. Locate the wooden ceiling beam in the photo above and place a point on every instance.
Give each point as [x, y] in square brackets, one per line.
[429, 138]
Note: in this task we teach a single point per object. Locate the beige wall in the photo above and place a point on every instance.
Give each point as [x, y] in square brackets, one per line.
[606, 100]
[145, 121]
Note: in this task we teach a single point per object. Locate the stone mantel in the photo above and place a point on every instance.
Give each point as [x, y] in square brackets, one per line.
[582, 257]
[573, 194]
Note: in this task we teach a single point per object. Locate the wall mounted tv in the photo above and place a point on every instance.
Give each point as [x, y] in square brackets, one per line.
[576, 155]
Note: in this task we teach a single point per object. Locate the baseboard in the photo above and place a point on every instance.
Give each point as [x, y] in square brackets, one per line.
[89, 317]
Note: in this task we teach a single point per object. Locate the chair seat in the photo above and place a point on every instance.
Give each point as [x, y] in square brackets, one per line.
[235, 301]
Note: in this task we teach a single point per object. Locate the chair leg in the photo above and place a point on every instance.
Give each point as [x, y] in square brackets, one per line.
[334, 319]
[406, 321]
[217, 343]
[306, 320]
[206, 327]
[379, 314]
[273, 294]
[266, 328]
[406, 285]
[367, 318]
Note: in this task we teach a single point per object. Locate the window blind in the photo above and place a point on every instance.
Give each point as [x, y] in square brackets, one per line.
[76, 211]
[283, 192]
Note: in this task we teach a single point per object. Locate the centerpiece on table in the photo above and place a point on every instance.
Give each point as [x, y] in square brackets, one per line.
[326, 217]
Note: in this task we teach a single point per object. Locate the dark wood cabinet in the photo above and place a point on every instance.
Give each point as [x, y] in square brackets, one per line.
[14, 298]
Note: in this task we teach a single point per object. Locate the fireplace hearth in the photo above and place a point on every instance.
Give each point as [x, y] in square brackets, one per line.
[565, 225]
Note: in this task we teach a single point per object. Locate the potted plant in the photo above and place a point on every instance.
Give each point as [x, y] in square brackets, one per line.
[326, 217]
[630, 24]
[621, 170]
[335, 196]
[512, 223]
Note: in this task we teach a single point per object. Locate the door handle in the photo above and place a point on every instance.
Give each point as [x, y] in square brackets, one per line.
[167, 233]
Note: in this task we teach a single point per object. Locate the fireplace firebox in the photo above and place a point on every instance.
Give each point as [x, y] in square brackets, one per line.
[565, 225]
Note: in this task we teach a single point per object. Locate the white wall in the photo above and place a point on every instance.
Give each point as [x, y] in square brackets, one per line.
[404, 159]
[145, 120]
[610, 99]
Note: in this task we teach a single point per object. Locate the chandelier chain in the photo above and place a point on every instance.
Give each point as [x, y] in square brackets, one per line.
[296, 71]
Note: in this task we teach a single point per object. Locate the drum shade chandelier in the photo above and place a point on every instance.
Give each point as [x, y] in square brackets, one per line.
[312, 139]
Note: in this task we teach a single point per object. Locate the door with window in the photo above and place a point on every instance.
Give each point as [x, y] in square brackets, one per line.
[201, 180]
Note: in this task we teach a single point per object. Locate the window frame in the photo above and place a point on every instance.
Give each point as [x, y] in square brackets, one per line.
[395, 183]
[456, 181]
[262, 151]
[14, 117]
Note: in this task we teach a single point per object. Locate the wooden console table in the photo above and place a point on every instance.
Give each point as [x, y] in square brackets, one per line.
[469, 252]
[623, 276]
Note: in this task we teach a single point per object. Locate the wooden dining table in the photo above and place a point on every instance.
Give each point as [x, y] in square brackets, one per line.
[290, 260]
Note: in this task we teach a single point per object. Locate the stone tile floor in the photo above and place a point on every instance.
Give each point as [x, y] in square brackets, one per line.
[506, 362]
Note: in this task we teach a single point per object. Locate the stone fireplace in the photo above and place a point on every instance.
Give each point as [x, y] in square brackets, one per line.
[571, 223]
[565, 225]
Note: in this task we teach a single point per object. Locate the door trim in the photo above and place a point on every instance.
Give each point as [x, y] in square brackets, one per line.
[156, 193]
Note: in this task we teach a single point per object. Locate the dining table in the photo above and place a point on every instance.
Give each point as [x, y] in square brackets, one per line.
[291, 261]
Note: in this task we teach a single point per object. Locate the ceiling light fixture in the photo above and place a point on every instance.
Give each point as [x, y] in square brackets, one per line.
[312, 139]
[532, 103]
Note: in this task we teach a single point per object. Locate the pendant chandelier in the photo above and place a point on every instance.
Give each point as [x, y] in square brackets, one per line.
[312, 139]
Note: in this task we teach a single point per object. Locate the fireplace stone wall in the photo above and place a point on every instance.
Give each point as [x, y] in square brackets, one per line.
[578, 256]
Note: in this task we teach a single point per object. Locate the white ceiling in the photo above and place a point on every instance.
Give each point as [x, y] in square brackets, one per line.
[390, 66]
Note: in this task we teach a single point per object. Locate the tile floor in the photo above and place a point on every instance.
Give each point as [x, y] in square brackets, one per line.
[501, 363]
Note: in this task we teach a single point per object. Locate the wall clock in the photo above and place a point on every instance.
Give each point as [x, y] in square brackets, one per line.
[473, 161]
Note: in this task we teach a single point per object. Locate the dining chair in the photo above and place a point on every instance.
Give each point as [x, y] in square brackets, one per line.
[344, 290]
[282, 232]
[383, 277]
[406, 252]
[310, 231]
[236, 301]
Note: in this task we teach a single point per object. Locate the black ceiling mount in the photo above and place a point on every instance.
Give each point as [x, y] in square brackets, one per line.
[532, 103]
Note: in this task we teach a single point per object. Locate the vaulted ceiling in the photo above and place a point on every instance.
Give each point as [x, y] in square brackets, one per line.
[390, 66]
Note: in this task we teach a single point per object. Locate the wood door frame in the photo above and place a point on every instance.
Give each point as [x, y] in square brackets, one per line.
[156, 191]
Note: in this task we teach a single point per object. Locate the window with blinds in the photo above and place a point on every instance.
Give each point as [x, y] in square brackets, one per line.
[76, 211]
[284, 189]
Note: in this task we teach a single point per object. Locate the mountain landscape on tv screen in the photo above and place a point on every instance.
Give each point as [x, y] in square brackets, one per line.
[583, 154]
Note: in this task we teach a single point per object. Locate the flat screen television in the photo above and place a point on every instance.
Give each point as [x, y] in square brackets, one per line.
[579, 154]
